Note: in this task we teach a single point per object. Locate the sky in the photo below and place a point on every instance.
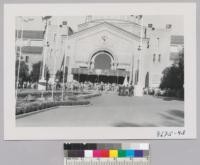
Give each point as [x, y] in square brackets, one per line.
[158, 21]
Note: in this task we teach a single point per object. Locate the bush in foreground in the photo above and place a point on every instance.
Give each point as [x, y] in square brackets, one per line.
[39, 106]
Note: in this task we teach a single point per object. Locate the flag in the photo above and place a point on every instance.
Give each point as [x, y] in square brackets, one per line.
[125, 83]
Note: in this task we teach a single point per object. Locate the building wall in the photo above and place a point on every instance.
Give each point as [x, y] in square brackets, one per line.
[158, 55]
[125, 50]
[122, 41]
[120, 48]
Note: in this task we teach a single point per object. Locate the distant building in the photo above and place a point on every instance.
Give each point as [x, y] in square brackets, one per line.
[177, 47]
[32, 43]
[32, 46]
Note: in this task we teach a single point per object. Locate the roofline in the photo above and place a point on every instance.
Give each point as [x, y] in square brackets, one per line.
[97, 20]
[105, 23]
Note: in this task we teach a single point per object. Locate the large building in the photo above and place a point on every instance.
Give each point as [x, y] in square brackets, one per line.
[108, 49]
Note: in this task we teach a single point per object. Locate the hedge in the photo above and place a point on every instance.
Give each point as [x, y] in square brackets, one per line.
[43, 105]
[84, 96]
[47, 93]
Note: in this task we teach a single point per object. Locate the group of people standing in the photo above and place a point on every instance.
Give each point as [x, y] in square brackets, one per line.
[126, 90]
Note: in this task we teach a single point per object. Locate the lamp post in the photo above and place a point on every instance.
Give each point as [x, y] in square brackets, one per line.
[139, 86]
[55, 60]
[41, 85]
[64, 69]
[54, 76]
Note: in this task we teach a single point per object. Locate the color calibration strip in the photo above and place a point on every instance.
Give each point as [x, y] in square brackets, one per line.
[106, 153]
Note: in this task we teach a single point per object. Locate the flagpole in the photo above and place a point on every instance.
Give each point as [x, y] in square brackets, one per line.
[45, 51]
[63, 86]
[55, 61]
[20, 55]
[139, 87]
[140, 51]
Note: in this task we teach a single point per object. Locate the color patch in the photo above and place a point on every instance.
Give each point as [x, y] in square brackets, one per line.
[97, 153]
[88, 153]
[105, 153]
[138, 153]
[108, 146]
[90, 146]
[145, 153]
[75, 153]
[130, 153]
[121, 153]
[113, 153]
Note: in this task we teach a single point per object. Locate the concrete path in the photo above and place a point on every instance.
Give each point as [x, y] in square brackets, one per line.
[113, 110]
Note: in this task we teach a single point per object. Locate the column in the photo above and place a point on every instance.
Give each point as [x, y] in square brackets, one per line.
[138, 91]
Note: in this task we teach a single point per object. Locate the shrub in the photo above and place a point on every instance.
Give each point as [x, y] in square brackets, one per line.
[180, 93]
[39, 106]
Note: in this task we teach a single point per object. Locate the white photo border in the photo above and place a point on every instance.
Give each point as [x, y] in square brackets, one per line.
[188, 10]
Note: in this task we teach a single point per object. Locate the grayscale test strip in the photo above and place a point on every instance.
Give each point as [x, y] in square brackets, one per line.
[106, 154]
[108, 162]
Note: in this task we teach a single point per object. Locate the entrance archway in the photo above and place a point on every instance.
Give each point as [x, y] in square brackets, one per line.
[102, 61]
[102, 68]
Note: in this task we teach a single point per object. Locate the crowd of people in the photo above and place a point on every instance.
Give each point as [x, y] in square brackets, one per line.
[122, 90]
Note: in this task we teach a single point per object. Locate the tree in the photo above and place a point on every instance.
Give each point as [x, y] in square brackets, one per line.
[23, 72]
[36, 70]
[59, 75]
[173, 77]
[170, 79]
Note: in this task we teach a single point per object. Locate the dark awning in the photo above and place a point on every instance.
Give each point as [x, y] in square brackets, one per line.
[31, 34]
[86, 71]
[31, 49]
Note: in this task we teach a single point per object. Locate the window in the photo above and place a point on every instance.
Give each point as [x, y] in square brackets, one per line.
[148, 45]
[64, 22]
[27, 59]
[159, 58]
[54, 37]
[154, 57]
[150, 25]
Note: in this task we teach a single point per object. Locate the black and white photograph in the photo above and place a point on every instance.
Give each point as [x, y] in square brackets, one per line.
[98, 70]
[118, 71]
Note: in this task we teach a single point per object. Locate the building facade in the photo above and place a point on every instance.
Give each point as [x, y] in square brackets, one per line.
[111, 49]
[108, 49]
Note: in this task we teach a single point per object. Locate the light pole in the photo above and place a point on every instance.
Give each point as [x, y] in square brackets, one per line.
[64, 69]
[55, 60]
[41, 85]
[139, 86]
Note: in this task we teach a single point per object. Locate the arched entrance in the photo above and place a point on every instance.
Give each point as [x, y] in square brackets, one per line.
[102, 61]
[102, 67]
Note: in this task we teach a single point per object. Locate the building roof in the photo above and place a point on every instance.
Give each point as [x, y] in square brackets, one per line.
[31, 34]
[109, 25]
[177, 40]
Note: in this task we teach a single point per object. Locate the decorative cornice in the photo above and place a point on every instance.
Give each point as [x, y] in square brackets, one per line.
[109, 25]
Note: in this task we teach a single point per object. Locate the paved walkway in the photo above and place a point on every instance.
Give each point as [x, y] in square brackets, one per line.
[113, 110]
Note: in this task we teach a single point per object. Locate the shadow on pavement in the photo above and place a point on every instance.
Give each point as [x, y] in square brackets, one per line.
[177, 113]
[173, 118]
[126, 124]
[172, 98]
